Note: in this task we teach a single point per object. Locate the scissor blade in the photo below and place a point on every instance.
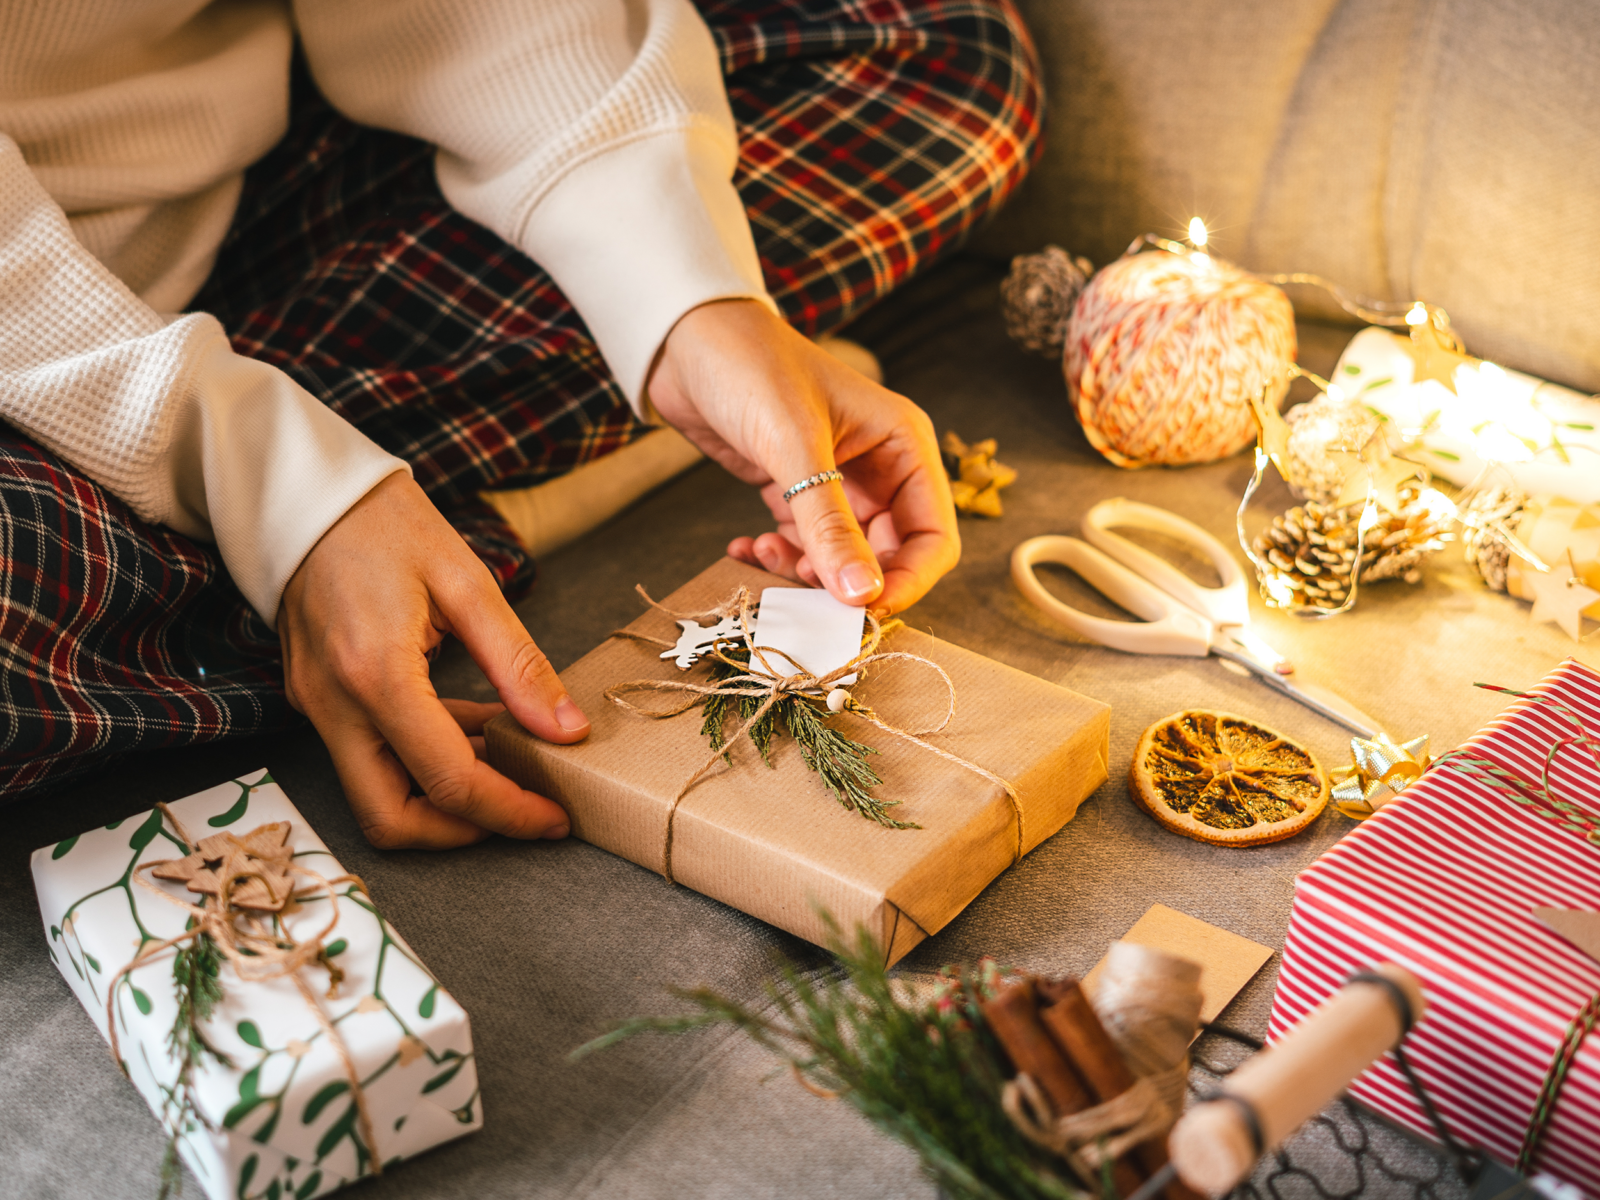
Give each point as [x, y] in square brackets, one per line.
[1240, 645]
[1329, 704]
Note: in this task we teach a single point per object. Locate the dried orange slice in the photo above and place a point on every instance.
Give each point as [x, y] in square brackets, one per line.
[1222, 779]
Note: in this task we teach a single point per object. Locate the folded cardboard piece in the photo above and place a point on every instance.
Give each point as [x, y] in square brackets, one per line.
[1227, 961]
[773, 842]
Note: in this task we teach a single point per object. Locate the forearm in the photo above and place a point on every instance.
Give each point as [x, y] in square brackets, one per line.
[162, 413]
[593, 134]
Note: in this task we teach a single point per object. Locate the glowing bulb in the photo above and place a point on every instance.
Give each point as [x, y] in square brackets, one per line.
[1197, 232]
[1439, 506]
[1418, 315]
[1279, 592]
[1369, 516]
[1335, 392]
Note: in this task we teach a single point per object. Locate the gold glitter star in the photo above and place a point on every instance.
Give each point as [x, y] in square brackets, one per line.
[1435, 355]
[1272, 431]
[1380, 471]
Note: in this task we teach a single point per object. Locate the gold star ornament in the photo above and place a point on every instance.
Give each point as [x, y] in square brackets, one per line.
[976, 477]
[1436, 352]
[1377, 471]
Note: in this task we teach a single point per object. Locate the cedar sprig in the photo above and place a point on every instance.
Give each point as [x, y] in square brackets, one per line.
[840, 761]
[928, 1075]
[195, 971]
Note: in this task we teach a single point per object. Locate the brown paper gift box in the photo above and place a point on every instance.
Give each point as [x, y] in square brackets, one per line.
[774, 843]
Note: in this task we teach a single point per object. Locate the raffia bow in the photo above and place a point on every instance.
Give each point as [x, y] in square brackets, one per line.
[250, 881]
[768, 684]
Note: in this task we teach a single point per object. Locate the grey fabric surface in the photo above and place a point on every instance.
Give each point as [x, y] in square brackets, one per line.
[546, 944]
[1437, 148]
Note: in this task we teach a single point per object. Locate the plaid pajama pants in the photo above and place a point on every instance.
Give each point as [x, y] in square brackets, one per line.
[874, 135]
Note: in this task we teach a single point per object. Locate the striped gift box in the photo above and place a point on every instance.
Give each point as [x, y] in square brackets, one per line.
[1444, 881]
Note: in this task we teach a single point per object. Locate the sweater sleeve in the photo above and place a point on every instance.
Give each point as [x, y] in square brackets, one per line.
[159, 410]
[595, 135]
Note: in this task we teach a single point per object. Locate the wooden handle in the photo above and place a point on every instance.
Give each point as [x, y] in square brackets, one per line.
[1291, 1081]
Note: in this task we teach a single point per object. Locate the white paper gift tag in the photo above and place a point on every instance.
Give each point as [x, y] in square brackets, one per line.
[816, 631]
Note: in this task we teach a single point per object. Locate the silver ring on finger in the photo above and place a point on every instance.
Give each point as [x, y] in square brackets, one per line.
[811, 481]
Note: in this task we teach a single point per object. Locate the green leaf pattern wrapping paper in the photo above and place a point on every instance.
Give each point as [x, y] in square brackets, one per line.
[282, 1118]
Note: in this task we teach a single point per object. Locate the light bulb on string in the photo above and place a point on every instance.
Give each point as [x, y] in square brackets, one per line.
[1197, 239]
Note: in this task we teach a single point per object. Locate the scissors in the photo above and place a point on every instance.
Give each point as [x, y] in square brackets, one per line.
[1180, 616]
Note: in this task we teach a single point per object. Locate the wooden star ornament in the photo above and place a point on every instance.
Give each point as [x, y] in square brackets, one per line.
[1559, 596]
[256, 867]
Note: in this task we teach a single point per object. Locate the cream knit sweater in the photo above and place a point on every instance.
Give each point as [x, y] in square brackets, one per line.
[593, 134]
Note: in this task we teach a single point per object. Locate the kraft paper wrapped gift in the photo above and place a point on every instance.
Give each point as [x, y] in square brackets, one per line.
[281, 1121]
[1455, 880]
[773, 842]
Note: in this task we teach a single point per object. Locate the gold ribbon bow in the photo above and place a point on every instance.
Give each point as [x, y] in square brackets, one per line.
[1379, 771]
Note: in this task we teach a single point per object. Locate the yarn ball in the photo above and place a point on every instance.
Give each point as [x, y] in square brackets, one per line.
[1164, 351]
[1037, 298]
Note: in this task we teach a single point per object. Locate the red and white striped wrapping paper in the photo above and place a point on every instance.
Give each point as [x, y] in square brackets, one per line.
[1444, 881]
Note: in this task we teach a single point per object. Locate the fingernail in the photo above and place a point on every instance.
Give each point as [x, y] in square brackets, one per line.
[569, 716]
[556, 832]
[858, 580]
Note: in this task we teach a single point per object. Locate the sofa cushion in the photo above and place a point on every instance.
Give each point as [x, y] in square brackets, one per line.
[1448, 149]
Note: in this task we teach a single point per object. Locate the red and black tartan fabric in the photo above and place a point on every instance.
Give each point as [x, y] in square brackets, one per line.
[874, 135]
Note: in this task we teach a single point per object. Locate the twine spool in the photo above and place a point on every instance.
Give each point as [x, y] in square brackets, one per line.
[1163, 351]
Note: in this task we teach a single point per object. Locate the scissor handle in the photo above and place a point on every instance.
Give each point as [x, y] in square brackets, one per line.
[1226, 604]
[1170, 628]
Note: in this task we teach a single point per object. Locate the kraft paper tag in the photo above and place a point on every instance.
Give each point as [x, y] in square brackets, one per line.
[1227, 961]
[816, 631]
[1580, 928]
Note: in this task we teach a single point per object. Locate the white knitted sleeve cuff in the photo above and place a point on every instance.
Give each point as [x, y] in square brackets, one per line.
[278, 469]
[642, 233]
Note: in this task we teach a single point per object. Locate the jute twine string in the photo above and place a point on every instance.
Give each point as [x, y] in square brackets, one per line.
[257, 952]
[1149, 1003]
[769, 684]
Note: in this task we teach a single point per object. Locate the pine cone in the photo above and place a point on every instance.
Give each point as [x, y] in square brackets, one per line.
[1487, 518]
[1315, 428]
[1313, 547]
[1038, 295]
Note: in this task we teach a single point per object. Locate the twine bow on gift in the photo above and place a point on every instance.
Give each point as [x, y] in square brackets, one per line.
[244, 882]
[769, 684]
[1380, 770]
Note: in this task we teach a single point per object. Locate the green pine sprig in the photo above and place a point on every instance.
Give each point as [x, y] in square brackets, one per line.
[195, 971]
[840, 761]
[927, 1075]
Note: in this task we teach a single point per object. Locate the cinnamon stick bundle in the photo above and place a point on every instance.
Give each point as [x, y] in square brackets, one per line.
[1071, 1022]
[1014, 1016]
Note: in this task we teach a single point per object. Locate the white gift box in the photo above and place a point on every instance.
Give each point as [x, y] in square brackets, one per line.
[281, 1121]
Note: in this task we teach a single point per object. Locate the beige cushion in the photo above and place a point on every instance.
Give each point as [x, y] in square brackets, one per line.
[560, 511]
[1448, 149]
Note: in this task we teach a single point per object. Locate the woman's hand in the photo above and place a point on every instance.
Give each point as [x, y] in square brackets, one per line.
[773, 409]
[358, 622]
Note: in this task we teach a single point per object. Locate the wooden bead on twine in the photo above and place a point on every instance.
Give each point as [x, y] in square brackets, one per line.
[1162, 352]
